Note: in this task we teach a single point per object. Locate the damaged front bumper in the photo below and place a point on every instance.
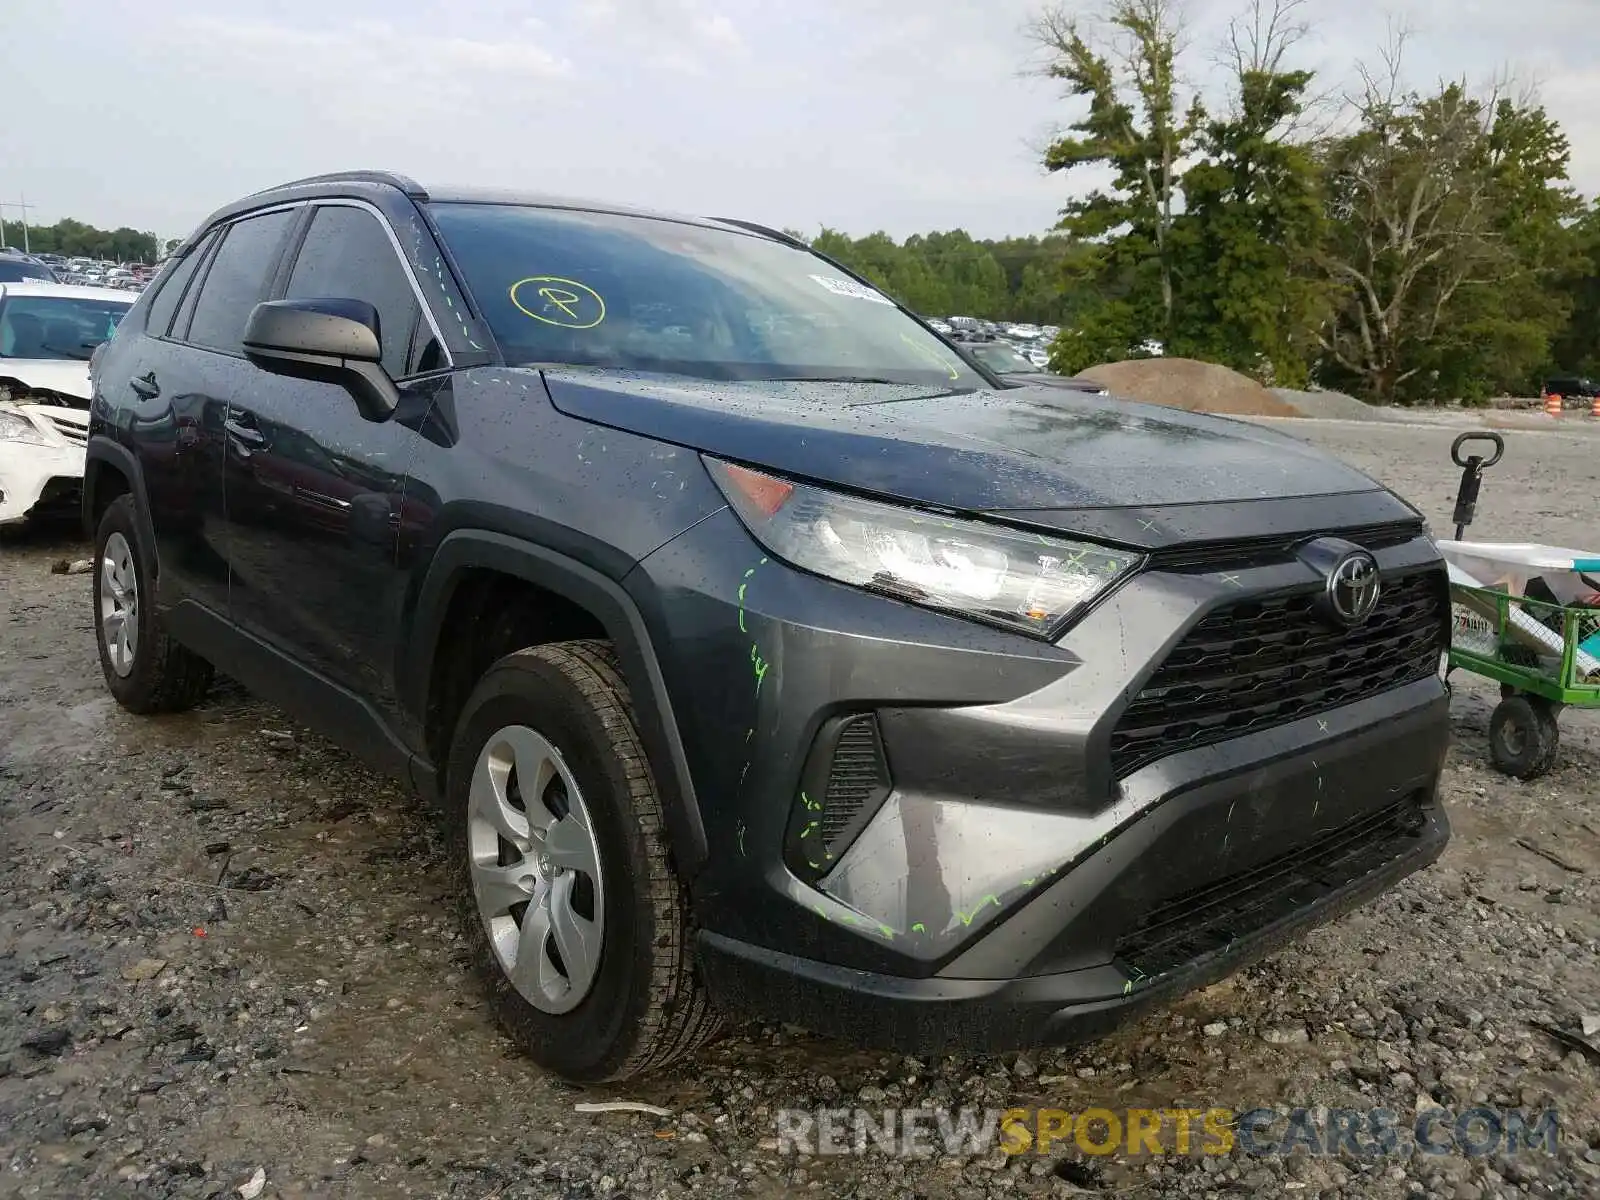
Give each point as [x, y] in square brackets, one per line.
[41, 460]
[953, 838]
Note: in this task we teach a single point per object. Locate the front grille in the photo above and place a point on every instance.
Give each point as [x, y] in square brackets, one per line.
[1268, 661]
[857, 776]
[1208, 918]
[70, 430]
[1264, 551]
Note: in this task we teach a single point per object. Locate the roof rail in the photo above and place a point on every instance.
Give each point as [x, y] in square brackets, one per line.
[392, 178]
[753, 227]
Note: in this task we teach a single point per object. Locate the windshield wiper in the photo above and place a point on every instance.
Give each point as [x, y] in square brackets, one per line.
[835, 379]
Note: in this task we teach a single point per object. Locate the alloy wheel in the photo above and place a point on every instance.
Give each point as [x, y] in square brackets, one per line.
[119, 604]
[535, 869]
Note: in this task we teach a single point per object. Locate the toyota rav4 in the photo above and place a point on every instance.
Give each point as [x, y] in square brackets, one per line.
[764, 653]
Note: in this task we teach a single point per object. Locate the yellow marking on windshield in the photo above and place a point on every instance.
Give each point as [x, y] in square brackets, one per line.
[579, 306]
[932, 356]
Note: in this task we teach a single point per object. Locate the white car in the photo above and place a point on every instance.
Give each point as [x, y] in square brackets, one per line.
[47, 333]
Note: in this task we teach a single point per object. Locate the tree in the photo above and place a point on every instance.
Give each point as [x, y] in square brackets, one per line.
[1447, 221]
[1577, 345]
[1412, 201]
[1253, 218]
[1138, 126]
[1498, 335]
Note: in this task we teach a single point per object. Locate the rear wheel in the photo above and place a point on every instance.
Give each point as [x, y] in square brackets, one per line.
[1524, 736]
[144, 669]
[569, 900]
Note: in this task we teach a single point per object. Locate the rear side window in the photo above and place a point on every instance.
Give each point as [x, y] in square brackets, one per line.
[165, 302]
[237, 280]
[347, 255]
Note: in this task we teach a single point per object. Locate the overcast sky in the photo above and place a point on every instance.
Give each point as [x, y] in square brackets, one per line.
[903, 115]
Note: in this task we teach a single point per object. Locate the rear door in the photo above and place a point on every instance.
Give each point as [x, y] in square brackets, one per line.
[183, 371]
[314, 489]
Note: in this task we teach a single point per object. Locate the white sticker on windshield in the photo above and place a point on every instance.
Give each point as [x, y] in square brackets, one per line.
[849, 287]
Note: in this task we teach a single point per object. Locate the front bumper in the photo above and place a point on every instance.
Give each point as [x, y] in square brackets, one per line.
[43, 477]
[1003, 885]
[1205, 883]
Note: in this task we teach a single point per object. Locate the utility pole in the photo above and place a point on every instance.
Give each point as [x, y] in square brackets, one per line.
[22, 203]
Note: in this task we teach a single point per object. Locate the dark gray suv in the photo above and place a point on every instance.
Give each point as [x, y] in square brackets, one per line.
[763, 653]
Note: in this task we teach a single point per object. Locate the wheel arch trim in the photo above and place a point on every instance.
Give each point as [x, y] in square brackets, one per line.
[103, 452]
[466, 549]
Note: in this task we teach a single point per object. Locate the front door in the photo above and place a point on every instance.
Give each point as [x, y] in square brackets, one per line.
[314, 489]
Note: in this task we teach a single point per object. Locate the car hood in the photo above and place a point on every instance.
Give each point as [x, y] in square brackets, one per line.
[1055, 457]
[46, 375]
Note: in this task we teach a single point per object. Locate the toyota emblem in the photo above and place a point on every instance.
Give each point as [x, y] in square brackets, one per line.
[1353, 588]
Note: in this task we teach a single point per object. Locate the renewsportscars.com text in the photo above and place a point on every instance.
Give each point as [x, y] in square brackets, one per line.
[1357, 1133]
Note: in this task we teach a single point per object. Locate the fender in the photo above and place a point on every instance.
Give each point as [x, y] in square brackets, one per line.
[103, 452]
[616, 611]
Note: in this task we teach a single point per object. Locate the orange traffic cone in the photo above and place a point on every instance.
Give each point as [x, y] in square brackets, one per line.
[1594, 409]
[1552, 405]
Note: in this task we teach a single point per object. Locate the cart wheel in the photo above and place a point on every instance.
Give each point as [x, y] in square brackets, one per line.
[1523, 737]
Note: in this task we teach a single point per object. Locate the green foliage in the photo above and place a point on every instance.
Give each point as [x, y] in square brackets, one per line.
[75, 239]
[1248, 238]
[1577, 346]
[1429, 251]
[944, 274]
[1136, 126]
[1450, 225]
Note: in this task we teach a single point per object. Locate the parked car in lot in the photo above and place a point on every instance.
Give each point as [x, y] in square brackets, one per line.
[761, 652]
[1577, 387]
[17, 268]
[47, 333]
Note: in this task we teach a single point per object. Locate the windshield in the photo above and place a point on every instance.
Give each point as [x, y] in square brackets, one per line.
[61, 327]
[638, 293]
[15, 270]
[1000, 358]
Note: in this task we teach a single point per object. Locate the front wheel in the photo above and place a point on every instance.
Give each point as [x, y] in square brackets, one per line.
[1524, 736]
[569, 899]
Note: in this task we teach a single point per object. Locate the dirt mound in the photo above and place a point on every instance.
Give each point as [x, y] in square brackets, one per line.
[1186, 383]
[1335, 406]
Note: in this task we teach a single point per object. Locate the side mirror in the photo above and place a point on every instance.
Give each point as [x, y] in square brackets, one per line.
[334, 340]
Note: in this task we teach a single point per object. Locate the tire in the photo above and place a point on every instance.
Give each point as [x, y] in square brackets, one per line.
[1524, 737]
[145, 670]
[633, 1003]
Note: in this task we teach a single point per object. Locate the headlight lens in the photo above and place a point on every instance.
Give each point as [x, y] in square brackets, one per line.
[14, 427]
[1001, 576]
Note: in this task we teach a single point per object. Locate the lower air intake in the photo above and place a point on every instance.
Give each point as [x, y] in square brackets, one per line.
[857, 778]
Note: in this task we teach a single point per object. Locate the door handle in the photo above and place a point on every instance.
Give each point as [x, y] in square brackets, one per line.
[244, 433]
[145, 385]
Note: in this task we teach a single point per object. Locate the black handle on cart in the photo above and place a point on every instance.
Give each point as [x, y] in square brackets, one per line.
[1472, 467]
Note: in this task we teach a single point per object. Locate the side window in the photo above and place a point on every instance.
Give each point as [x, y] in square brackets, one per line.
[237, 280]
[165, 302]
[347, 255]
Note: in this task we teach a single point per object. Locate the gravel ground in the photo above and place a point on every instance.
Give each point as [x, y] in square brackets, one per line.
[1331, 405]
[226, 948]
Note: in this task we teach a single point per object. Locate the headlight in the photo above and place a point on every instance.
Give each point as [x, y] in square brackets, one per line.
[14, 427]
[988, 572]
